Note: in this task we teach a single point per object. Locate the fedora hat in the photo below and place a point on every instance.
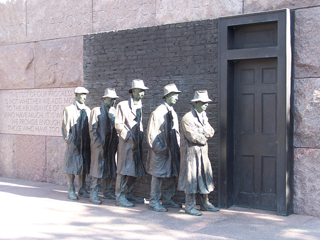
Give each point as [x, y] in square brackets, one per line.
[202, 96]
[138, 83]
[81, 90]
[169, 89]
[110, 93]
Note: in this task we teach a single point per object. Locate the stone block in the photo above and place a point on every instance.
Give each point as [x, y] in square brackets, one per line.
[307, 181]
[55, 151]
[55, 19]
[12, 21]
[268, 5]
[29, 161]
[307, 112]
[59, 63]
[306, 52]
[114, 15]
[173, 11]
[17, 66]
[6, 155]
[118, 15]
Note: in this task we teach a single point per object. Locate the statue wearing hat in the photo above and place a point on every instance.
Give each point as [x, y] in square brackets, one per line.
[163, 159]
[104, 143]
[128, 123]
[75, 131]
[195, 167]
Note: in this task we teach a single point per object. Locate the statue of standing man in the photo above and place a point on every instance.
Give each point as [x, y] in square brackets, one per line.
[195, 169]
[75, 131]
[163, 159]
[128, 123]
[104, 143]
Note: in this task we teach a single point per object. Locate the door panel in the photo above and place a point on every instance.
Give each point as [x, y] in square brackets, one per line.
[255, 133]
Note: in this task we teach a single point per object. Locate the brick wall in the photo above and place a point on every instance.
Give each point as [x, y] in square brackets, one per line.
[185, 54]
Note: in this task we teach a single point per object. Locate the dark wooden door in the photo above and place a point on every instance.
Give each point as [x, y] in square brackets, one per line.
[255, 133]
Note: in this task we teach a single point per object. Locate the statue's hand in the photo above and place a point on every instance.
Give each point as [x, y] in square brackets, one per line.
[208, 133]
[70, 138]
[125, 134]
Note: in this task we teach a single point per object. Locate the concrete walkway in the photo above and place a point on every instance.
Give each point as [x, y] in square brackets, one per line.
[36, 210]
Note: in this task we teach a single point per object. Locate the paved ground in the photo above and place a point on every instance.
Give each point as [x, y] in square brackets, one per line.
[35, 210]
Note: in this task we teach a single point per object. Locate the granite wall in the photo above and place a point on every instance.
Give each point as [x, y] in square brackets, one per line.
[41, 51]
[307, 111]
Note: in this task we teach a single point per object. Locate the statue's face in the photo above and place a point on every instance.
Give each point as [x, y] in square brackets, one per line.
[109, 101]
[137, 94]
[172, 98]
[201, 106]
[81, 97]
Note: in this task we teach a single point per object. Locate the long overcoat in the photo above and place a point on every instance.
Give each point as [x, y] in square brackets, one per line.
[75, 131]
[195, 167]
[104, 142]
[130, 130]
[163, 158]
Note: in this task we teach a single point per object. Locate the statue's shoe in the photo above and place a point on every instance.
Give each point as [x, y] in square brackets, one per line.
[94, 198]
[123, 202]
[95, 201]
[157, 207]
[72, 195]
[171, 204]
[209, 208]
[132, 198]
[193, 212]
[109, 196]
[83, 193]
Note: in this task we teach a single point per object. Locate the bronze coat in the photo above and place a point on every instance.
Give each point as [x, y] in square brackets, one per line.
[77, 157]
[195, 167]
[160, 162]
[104, 143]
[129, 154]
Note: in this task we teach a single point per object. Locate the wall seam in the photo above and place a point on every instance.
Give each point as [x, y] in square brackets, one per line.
[243, 6]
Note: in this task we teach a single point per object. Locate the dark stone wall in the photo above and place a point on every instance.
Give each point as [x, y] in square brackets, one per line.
[185, 54]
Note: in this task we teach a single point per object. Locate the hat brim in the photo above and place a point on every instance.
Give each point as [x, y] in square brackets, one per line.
[105, 96]
[145, 88]
[171, 92]
[201, 100]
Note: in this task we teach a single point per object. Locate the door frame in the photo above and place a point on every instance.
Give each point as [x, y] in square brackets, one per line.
[283, 52]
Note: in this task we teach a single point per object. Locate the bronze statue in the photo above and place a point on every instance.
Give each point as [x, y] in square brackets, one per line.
[163, 159]
[104, 143]
[195, 167]
[75, 131]
[128, 123]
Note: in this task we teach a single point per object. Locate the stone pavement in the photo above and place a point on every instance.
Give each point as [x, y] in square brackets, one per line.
[37, 210]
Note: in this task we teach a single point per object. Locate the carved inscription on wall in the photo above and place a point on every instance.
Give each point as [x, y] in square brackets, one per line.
[34, 111]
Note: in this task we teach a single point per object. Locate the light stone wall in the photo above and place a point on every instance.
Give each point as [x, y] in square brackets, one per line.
[41, 48]
[307, 111]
